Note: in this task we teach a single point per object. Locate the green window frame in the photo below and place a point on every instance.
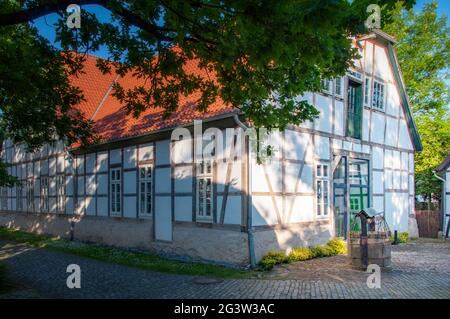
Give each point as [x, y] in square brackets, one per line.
[354, 109]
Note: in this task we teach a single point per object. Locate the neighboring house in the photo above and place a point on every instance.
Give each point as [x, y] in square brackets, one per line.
[140, 188]
[444, 170]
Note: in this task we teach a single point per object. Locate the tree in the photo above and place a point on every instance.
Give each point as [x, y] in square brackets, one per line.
[423, 53]
[258, 55]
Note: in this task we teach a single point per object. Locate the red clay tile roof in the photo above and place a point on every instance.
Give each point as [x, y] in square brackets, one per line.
[111, 121]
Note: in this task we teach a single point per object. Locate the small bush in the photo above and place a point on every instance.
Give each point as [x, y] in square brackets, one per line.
[273, 258]
[338, 245]
[332, 248]
[322, 251]
[300, 254]
[403, 237]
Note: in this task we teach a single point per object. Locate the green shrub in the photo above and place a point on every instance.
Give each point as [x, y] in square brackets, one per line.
[273, 258]
[334, 247]
[403, 237]
[322, 251]
[338, 245]
[300, 254]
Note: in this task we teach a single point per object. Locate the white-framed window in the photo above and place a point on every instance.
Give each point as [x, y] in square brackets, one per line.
[338, 86]
[44, 194]
[326, 86]
[115, 184]
[30, 194]
[60, 193]
[322, 190]
[19, 196]
[4, 196]
[378, 95]
[204, 190]
[145, 190]
[367, 91]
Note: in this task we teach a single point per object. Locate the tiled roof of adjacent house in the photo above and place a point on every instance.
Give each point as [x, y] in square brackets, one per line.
[110, 119]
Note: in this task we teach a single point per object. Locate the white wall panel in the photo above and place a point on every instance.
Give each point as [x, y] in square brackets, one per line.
[162, 152]
[90, 205]
[91, 184]
[183, 208]
[80, 164]
[338, 118]
[259, 180]
[391, 131]
[296, 144]
[368, 55]
[163, 218]
[129, 157]
[377, 157]
[162, 180]
[404, 137]
[129, 182]
[115, 156]
[129, 206]
[80, 181]
[392, 100]
[378, 182]
[183, 179]
[102, 162]
[102, 203]
[397, 206]
[322, 147]
[90, 162]
[302, 209]
[145, 152]
[235, 177]
[232, 211]
[263, 211]
[69, 205]
[60, 164]
[365, 125]
[69, 185]
[182, 151]
[377, 128]
[102, 184]
[324, 106]
[378, 203]
[381, 63]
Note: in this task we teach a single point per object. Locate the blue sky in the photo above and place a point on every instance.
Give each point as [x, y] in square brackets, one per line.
[45, 27]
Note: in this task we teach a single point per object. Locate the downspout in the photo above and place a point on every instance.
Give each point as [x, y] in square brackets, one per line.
[442, 221]
[251, 242]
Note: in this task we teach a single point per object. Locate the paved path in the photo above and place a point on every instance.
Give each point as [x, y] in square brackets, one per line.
[422, 270]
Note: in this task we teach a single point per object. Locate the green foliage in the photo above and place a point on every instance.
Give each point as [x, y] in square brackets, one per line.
[423, 54]
[300, 254]
[338, 245]
[273, 258]
[333, 247]
[403, 237]
[265, 54]
[121, 256]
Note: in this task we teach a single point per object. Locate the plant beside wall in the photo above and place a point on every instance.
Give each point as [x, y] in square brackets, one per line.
[402, 238]
[334, 247]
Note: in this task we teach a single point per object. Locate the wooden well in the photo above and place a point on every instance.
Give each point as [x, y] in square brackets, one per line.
[378, 250]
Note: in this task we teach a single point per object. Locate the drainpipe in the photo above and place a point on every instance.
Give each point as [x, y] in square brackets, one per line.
[442, 221]
[251, 242]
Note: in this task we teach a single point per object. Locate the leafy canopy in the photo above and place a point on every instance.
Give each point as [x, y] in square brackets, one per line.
[423, 53]
[261, 55]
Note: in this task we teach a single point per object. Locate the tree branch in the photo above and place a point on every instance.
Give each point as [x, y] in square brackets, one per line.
[44, 9]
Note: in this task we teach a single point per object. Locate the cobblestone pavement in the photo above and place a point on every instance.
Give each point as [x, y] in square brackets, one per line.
[420, 270]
